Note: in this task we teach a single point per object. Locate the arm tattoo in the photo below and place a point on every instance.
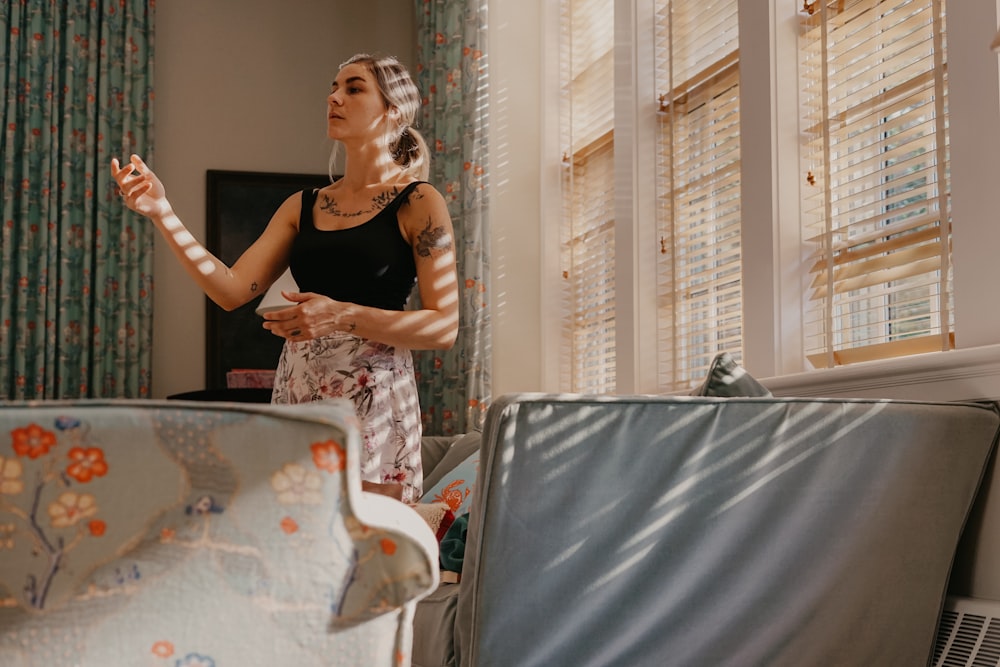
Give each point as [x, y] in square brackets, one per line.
[253, 287]
[432, 238]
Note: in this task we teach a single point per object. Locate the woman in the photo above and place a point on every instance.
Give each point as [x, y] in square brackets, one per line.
[355, 248]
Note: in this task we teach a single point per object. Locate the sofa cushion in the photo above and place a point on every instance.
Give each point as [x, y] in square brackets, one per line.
[451, 475]
[727, 378]
[437, 463]
[432, 450]
[433, 628]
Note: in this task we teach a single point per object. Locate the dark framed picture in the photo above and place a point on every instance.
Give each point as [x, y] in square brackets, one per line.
[239, 206]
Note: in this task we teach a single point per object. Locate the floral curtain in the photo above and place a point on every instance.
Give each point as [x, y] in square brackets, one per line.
[75, 269]
[452, 75]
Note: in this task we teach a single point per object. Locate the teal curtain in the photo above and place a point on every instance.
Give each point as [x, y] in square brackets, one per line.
[75, 268]
[453, 77]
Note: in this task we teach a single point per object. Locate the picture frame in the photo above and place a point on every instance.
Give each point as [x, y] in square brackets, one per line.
[239, 204]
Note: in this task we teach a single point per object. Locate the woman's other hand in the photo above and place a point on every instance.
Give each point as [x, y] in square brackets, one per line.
[312, 316]
[141, 190]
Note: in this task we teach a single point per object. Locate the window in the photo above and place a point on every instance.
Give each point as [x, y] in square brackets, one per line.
[872, 213]
[698, 187]
[587, 249]
[875, 143]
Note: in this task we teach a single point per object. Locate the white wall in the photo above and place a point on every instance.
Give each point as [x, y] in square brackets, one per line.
[516, 70]
[242, 84]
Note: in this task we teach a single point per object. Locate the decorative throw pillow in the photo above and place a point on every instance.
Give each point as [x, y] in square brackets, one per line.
[438, 516]
[453, 545]
[456, 486]
[727, 378]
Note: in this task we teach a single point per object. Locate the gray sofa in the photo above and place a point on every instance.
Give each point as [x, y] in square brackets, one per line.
[657, 531]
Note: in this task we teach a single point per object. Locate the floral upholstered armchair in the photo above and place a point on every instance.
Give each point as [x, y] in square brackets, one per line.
[190, 534]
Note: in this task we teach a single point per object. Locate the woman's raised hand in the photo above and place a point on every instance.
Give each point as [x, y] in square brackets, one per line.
[141, 190]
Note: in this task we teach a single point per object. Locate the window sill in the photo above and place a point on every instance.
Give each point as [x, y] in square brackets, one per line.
[971, 374]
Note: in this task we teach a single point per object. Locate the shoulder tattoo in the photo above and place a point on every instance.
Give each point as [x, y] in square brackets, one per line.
[414, 194]
[432, 238]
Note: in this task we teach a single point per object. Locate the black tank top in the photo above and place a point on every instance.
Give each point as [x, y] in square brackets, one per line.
[370, 264]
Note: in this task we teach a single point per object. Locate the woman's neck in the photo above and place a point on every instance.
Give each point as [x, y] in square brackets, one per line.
[367, 167]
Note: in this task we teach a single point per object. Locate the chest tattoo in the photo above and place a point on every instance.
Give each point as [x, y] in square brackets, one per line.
[377, 203]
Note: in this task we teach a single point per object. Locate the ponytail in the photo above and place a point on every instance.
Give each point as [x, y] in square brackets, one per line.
[410, 152]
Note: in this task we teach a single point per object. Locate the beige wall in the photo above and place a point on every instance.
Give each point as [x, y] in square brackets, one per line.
[516, 180]
[242, 84]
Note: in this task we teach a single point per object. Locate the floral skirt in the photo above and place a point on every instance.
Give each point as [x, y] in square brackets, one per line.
[379, 380]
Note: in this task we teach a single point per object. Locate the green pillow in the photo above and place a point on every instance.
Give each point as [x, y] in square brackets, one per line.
[727, 378]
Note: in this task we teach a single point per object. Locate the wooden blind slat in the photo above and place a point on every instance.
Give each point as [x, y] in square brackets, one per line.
[900, 348]
[587, 229]
[698, 185]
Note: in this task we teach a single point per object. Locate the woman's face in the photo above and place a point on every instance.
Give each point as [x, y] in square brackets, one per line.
[355, 108]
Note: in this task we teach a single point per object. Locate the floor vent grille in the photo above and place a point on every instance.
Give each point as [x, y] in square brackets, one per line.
[969, 634]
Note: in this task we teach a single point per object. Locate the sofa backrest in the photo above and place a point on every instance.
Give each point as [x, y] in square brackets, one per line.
[704, 531]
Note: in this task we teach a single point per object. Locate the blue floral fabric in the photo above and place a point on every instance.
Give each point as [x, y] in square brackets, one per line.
[75, 267]
[451, 73]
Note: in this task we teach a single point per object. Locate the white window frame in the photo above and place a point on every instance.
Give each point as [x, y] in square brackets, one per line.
[773, 346]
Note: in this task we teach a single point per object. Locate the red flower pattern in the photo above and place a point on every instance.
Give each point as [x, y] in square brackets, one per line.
[388, 546]
[86, 464]
[32, 441]
[328, 456]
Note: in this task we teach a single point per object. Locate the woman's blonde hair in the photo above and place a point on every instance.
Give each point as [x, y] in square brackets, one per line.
[406, 144]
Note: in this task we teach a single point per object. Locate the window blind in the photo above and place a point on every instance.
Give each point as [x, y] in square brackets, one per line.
[587, 226]
[698, 187]
[875, 209]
